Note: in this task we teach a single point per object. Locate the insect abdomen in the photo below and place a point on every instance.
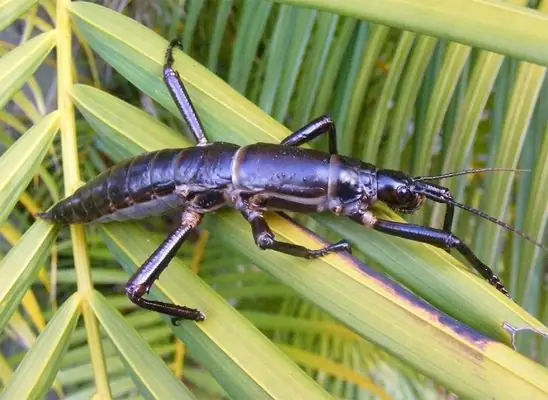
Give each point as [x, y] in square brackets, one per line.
[135, 188]
[151, 184]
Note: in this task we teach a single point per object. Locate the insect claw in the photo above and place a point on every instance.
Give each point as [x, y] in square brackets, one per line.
[496, 282]
[200, 316]
[338, 247]
[343, 245]
[190, 314]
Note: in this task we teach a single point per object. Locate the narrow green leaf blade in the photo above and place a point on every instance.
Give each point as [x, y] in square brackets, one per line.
[521, 105]
[10, 10]
[34, 376]
[255, 15]
[22, 161]
[412, 79]
[370, 151]
[493, 25]
[321, 42]
[19, 64]
[148, 371]
[20, 267]
[537, 217]
[454, 61]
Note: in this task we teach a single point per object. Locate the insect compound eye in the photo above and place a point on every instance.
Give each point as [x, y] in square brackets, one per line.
[408, 200]
[404, 194]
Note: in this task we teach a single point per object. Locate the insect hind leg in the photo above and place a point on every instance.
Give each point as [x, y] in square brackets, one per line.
[312, 130]
[180, 96]
[141, 282]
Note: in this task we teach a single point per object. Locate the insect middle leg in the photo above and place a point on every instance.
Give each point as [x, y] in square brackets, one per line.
[180, 96]
[312, 130]
[448, 219]
[265, 239]
[141, 282]
[435, 237]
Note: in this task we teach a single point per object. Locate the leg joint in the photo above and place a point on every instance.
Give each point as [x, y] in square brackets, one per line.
[326, 120]
[135, 292]
[191, 219]
[264, 240]
[452, 242]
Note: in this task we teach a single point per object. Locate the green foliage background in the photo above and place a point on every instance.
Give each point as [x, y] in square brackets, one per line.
[407, 91]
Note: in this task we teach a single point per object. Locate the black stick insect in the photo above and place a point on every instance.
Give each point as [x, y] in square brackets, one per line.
[253, 179]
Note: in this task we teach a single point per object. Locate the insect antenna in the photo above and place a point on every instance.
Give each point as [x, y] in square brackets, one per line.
[467, 172]
[447, 199]
[483, 215]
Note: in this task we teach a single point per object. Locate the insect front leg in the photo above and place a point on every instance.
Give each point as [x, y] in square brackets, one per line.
[435, 237]
[180, 96]
[312, 130]
[448, 219]
[141, 282]
[265, 239]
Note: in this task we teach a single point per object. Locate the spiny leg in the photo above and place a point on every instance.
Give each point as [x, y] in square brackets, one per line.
[312, 130]
[435, 237]
[142, 280]
[180, 95]
[264, 238]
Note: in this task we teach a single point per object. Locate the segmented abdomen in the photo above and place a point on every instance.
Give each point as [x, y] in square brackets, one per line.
[136, 188]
